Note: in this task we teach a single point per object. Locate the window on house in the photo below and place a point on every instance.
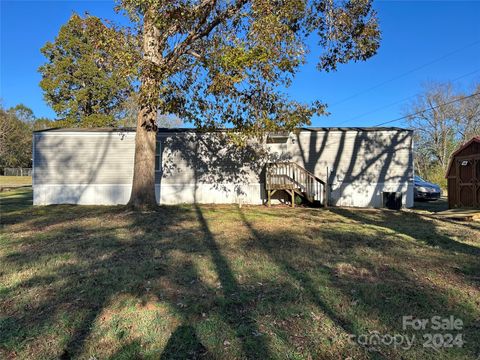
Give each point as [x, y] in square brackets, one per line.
[277, 138]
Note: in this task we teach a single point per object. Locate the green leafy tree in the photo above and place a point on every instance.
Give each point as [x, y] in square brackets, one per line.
[224, 63]
[15, 138]
[82, 79]
[16, 127]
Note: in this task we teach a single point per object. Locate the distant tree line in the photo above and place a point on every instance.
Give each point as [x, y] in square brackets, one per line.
[444, 119]
[16, 127]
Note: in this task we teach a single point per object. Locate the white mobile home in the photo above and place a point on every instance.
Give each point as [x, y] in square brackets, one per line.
[356, 166]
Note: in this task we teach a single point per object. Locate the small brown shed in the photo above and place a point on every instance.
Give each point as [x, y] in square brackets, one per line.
[463, 176]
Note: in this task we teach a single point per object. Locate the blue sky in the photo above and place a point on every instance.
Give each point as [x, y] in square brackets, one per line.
[421, 41]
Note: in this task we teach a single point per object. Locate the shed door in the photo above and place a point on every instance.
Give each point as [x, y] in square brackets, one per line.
[468, 182]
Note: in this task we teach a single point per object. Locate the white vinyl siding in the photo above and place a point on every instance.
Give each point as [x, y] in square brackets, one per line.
[158, 157]
[97, 168]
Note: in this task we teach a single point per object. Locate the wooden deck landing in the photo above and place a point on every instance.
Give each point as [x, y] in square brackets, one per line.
[457, 214]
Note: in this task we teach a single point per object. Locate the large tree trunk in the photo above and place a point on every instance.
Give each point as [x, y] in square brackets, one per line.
[143, 187]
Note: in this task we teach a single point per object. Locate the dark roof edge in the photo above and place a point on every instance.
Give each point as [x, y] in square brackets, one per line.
[356, 128]
[86, 130]
[184, 130]
[459, 149]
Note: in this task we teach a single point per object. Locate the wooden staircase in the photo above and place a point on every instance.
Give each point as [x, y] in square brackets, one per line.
[294, 179]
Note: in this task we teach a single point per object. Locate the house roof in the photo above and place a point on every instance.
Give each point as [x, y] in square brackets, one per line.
[456, 152]
[354, 128]
[92, 130]
[182, 130]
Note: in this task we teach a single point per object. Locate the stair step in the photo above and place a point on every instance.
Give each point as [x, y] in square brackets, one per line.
[290, 176]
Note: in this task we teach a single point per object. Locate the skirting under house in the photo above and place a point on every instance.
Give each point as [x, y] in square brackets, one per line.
[361, 167]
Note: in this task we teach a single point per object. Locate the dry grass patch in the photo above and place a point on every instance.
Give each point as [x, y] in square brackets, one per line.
[15, 181]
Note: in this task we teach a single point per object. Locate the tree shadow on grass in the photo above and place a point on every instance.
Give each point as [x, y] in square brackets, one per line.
[18, 199]
[184, 344]
[96, 265]
[235, 310]
[270, 244]
[150, 257]
[412, 225]
[386, 293]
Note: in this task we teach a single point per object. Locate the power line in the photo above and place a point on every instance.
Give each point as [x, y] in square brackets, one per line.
[404, 117]
[400, 101]
[428, 109]
[406, 73]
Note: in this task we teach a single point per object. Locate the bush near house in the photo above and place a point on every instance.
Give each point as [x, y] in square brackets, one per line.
[223, 282]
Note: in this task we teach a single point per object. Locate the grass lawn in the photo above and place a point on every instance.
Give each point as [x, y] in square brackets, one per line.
[227, 283]
[15, 181]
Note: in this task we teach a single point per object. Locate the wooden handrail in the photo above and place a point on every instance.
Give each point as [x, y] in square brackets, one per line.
[292, 177]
